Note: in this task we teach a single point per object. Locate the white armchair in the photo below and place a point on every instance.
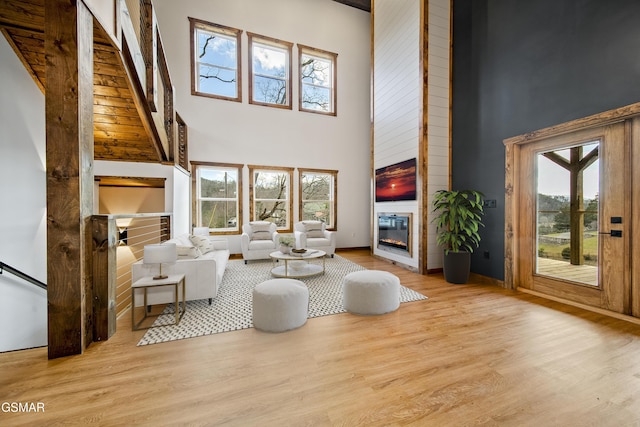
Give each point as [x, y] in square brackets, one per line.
[258, 240]
[314, 235]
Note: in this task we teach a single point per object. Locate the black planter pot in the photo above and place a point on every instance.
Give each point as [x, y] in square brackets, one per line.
[457, 266]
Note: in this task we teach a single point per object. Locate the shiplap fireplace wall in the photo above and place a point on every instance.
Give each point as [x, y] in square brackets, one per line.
[411, 112]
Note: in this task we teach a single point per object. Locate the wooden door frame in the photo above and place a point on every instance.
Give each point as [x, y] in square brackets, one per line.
[513, 194]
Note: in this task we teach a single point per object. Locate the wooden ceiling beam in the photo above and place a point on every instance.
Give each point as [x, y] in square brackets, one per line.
[125, 181]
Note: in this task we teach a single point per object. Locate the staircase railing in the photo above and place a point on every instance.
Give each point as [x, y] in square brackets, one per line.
[20, 274]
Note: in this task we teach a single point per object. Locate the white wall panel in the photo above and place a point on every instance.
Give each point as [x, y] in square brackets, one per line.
[397, 90]
[397, 104]
[23, 229]
[438, 116]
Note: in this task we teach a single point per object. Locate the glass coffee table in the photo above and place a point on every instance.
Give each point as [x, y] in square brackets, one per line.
[298, 266]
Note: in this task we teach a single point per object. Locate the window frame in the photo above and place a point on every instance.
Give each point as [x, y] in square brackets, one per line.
[288, 202]
[196, 199]
[332, 225]
[333, 91]
[256, 39]
[228, 32]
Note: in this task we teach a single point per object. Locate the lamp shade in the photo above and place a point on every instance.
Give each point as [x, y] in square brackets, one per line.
[200, 231]
[160, 253]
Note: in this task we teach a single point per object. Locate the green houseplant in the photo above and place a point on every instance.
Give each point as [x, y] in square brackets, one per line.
[458, 219]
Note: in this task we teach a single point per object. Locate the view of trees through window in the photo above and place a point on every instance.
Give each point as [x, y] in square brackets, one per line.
[216, 60]
[317, 195]
[270, 69]
[271, 195]
[218, 198]
[216, 69]
[316, 81]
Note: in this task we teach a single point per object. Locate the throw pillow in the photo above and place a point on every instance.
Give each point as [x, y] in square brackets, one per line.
[182, 240]
[189, 252]
[202, 243]
[260, 230]
[313, 228]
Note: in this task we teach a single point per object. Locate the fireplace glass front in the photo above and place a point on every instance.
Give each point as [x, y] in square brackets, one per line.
[394, 233]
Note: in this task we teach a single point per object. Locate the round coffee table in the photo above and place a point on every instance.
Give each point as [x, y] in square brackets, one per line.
[298, 266]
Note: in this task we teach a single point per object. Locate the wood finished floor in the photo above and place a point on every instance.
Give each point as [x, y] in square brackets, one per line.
[470, 355]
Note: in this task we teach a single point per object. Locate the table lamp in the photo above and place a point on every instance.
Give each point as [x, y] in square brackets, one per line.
[159, 254]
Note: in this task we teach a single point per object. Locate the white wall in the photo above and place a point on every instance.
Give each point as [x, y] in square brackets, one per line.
[232, 132]
[181, 206]
[176, 192]
[23, 244]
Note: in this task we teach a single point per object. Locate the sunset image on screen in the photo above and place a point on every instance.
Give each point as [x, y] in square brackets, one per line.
[396, 182]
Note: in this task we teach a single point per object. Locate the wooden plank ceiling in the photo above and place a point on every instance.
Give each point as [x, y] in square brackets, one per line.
[119, 130]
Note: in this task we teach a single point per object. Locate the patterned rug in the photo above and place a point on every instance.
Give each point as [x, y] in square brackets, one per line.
[231, 309]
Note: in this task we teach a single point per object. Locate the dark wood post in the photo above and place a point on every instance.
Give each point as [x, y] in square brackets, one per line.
[69, 151]
[104, 277]
[576, 207]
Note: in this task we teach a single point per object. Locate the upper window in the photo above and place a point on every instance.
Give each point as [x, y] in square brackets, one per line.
[271, 195]
[318, 196]
[317, 80]
[215, 61]
[269, 71]
[217, 200]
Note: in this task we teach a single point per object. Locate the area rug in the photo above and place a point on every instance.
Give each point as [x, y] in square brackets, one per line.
[231, 309]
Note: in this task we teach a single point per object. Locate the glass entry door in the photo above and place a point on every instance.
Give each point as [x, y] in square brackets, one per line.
[567, 213]
[576, 234]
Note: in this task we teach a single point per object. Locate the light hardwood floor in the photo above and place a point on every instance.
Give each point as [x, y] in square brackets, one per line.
[469, 355]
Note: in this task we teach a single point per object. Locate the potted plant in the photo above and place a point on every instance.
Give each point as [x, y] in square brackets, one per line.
[286, 243]
[459, 216]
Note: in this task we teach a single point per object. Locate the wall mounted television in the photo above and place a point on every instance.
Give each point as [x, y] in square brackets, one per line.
[396, 182]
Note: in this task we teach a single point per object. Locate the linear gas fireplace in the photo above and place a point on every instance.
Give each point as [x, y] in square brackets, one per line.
[394, 233]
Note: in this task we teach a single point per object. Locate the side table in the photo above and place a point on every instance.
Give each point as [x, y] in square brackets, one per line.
[147, 282]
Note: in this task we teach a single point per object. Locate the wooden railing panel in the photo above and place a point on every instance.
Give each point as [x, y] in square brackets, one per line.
[112, 262]
[104, 262]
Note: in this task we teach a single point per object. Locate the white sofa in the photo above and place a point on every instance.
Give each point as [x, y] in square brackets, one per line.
[203, 271]
[314, 235]
[258, 240]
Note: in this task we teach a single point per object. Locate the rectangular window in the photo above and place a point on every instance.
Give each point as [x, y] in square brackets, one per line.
[215, 61]
[217, 201]
[317, 80]
[318, 196]
[271, 198]
[269, 71]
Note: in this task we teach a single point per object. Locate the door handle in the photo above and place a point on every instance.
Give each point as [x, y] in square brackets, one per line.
[613, 233]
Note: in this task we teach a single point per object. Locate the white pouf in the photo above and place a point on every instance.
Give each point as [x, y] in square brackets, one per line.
[280, 305]
[371, 292]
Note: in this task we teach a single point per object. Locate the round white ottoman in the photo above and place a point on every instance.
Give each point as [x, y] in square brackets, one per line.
[280, 305]
[371, 292]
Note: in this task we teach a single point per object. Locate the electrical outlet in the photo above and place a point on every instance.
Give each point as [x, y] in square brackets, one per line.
[490, 203]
